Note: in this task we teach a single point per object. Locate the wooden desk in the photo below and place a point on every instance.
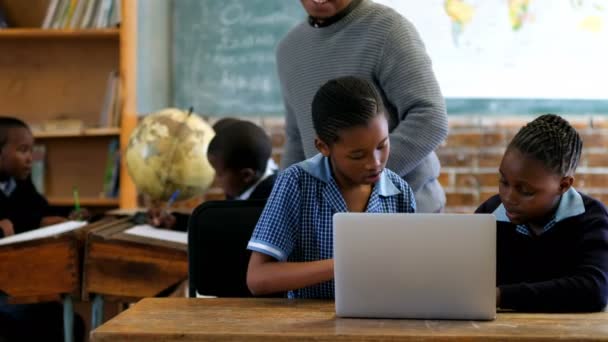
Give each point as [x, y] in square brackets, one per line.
[127, 267]
[44, 269]
[120, 267]
[184, 319]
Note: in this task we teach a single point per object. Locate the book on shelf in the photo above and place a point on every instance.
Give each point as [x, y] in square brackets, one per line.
[63, 125]
[3, 20]
[103, 14]
[112, 172]
[38, 167]
[87, 17]
[51, 12]
[110, 101]
[115, 15]
[60, 13]
[117, 104]
[82, 14]
[78, 14]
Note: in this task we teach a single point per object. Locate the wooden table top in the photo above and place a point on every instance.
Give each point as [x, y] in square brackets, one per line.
[255, 319]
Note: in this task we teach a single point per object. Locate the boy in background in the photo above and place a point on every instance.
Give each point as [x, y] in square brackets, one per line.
[22, 209]
[240, 154]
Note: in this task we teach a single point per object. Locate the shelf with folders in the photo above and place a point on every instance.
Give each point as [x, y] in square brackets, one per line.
[61, 14]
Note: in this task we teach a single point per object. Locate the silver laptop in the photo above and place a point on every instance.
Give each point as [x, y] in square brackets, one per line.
[426, 266]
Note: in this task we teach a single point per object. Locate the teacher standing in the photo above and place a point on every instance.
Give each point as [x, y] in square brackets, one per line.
[364, 39]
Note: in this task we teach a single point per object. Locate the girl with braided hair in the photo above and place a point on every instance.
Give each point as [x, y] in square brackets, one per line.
[292, 243]
[552, 241]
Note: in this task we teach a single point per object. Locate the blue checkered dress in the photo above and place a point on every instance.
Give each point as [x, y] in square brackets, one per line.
[296, 224]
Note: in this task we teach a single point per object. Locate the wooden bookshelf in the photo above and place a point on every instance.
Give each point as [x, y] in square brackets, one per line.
[90, 132]
[58, 73]
[36, 33]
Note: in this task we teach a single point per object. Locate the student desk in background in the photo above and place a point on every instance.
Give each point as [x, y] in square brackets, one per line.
[256, 319]
[46, 268]
[122, 267]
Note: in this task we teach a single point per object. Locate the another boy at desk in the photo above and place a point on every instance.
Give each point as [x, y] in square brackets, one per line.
[552, 241]
[22, 208]
[239, 153]
[292, 242]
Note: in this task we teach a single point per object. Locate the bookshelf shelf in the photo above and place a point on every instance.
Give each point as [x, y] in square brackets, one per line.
[84, 201]
[48, 75]
[29, 33]
[91, 132]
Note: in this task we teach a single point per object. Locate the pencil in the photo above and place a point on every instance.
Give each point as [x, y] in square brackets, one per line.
[76, 203]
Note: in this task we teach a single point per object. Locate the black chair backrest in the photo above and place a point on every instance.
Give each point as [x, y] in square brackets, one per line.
[218, 233]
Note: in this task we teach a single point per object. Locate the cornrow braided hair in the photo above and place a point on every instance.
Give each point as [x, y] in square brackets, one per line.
[553, 141]
[343, 103]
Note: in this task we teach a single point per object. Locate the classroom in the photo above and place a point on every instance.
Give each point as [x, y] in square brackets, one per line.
[369, 170]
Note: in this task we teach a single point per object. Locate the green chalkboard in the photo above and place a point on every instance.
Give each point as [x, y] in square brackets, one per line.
[223, 60]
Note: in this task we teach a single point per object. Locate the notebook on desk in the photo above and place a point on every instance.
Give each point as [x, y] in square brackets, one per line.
[426, 266]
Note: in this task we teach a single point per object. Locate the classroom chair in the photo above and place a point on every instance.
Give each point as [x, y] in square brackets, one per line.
[218, 233]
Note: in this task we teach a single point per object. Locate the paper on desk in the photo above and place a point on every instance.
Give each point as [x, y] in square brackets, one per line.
[159, 234]
[40, 233]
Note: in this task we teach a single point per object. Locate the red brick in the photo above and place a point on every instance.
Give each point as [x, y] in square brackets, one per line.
[460, 199]
[463, 122]
[579, 123]
[455, 159]
[600, 122]
[477, 180]
[595, 139]
[514, 123]
[485, 195]
[463, 140]
[444, 179]
[278, 139]
[509, 134]
[595, 159]
[591, 180]
[491, 139]
[459, 210]
[490, 159]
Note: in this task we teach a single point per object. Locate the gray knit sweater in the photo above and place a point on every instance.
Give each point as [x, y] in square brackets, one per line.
[376, 43]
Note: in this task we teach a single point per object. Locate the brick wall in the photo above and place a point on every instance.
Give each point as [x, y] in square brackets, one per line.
[471, 154]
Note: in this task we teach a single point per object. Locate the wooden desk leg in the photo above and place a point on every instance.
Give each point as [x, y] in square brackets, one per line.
[68, 318]
[97, 311]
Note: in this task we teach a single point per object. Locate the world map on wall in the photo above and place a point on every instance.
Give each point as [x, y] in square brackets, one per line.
[514, 48]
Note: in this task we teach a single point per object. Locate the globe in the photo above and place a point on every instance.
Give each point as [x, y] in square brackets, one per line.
[167, 153]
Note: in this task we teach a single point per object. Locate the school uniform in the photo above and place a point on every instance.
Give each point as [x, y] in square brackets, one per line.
[296, 224]
[258, 191]
[565, 268]
[374, 42]
[21, 203]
